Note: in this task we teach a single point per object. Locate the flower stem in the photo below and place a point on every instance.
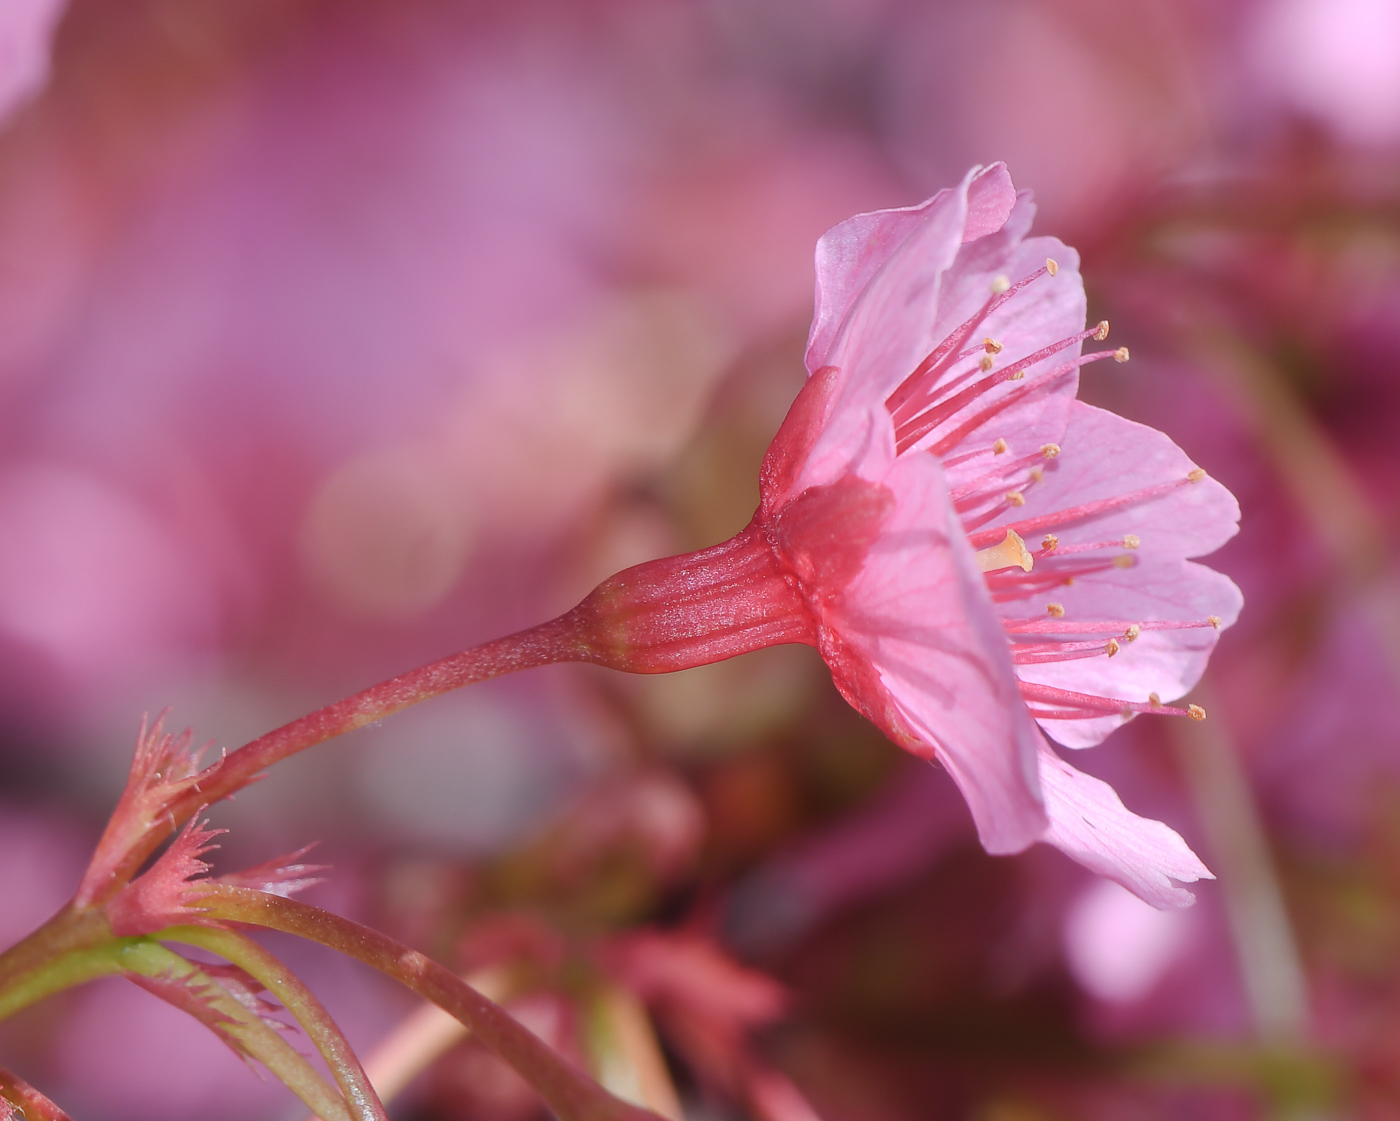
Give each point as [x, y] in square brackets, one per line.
[664, 615]
[300, 1002]
[568, 1092]
[554, 641]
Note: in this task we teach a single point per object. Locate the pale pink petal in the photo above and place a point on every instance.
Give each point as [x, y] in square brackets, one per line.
[879, 278]
[850, 254]
[917, 612]
[1165, 662]
[1104, 456]
[1089, 822]
[1030, 411]
[871, 342]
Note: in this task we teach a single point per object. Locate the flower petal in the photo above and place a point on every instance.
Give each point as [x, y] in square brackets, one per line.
[1089, 822]
[918, 615]
[851, 254]
[1103, 460]
[1030, 411]
[1104, 457]
[879, 279]
[1165, 662]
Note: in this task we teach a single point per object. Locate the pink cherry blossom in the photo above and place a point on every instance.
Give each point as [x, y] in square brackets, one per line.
[937, 431]
[943, 362]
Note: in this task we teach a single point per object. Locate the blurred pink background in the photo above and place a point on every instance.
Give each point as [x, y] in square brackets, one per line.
[336, 335]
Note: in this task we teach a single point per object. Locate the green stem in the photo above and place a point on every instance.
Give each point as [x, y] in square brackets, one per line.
[68, 933]
[63, 972]
[208, 1001]
[569, 1093]
[299, 1001]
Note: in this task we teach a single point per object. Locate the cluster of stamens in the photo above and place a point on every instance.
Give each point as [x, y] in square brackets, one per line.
[954, 403]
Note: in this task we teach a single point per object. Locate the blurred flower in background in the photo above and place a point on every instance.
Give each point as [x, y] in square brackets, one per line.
[336, 335]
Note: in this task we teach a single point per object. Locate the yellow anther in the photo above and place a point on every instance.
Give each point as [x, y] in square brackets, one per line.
[991, 346]
[1068, 581]
[999, 447]
[1131, 634]
[1214, 621]
[1049, 451]
[1015, 498]
[1037, 475]
[1154, 700]
[1000, 284]
[1121, 354]
[985, 363]
[1112, 648]
[1101, 331]
[1050, 541]
[1195, 712]
[1196, 474]
[1055, 610]
[1010, 552]
[1122, 560]
[1017, 376]
[1131, 540]
[1051, 266]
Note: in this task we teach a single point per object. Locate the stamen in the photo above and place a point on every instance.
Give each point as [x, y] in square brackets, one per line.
[985, 363]
[1121, 354]
[1049, 451]
[1195, 475]
[1085, 547]
[1096, 626]
[1057, 610]
[933, 366]
[1000, 284]
[999, 447]
[1012, 552]
[1048, 653]
[1100, 332]
[991, 485]
[1131, 540]
[1124, 561]
[1008, 586]
[1081, 512]
[991, 346]
[1015, 498]
[1050, 543]
[1214, 621]
[909, 431]
[1051, 266]
[1077, 706]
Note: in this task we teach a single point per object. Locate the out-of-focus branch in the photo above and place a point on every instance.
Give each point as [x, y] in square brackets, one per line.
[572, 1095]
[1272, 972]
